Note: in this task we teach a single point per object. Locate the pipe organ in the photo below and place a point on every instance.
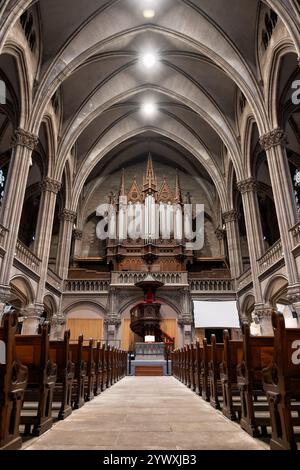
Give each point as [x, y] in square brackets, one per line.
[148, 223]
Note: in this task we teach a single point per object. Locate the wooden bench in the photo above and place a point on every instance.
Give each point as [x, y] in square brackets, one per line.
[205, 379]
[233, 355]
[33, 351]
[104, 367]
[60, 354]
[257, 354]
[98, 369]
[108, 366]
[197, 368]
[89, 379]
[13, 381]
[217, 353]
[191, 366]
[78, 388]
[281, 382]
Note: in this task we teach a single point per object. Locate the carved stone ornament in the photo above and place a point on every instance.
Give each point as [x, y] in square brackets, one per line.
[230, 216]
[220, 234]
[24, 139]
[272, 139]
[293, 294]
[247, 186]
[77, 234]
[68, 216]
[264, 312]
[50, 185]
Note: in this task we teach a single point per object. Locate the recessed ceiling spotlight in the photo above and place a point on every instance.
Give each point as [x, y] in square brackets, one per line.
[149, 60]
[149, 109]
[148, 14]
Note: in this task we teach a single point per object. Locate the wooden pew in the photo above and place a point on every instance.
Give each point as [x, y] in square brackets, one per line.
[33, 351]
[98, 369]
[191, 365]
[233, 355]
[108, 367]
[187, 377]
[281, 381]
[60, 354]
[13, 381]
[217, 353]
[78, 388]
[257, 354]
[206, 358]
[89, 379]
[197, 368]
[104, 367]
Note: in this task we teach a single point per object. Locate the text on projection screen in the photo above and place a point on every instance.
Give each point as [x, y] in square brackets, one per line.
[216, 314]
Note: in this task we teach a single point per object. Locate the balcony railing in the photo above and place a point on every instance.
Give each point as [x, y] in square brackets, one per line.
[83, 285]
[26, 257]
[272, 255]
[131, 278]
[212, 286]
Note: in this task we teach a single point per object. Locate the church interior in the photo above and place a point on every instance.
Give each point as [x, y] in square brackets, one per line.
[150, 224]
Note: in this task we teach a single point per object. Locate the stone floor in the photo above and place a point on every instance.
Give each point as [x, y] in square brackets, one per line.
[148, 413]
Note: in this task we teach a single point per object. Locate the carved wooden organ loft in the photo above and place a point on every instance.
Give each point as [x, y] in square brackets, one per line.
[155, 215]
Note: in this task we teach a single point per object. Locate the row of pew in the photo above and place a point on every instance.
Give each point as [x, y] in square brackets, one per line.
[37, 374]
[255, 381]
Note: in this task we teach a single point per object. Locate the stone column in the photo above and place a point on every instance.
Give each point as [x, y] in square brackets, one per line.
[68, 218]
[77, 237]
[221, 234]
[265, 319]
[112, 325]
[274, 145]
[113, 319]
[233, 240]
[186, 325]
[31, 319]
[23, 143]
[49, 188]
[58, 326]
[248, 189]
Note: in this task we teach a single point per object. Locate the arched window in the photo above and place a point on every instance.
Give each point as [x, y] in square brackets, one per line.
[274, 18]
[28, 26]
[23, 19]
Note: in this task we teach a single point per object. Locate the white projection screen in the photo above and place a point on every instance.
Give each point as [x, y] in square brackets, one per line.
[223, 314]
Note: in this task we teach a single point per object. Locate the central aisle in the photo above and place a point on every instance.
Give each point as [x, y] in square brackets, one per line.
[146, 413]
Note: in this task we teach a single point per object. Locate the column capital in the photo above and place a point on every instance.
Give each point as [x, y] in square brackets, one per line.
[264, 312]
[272, 139]
[230, 216]
[24, 139]
[247, 186]
[77, 234]
[50, 185]
[67, 215]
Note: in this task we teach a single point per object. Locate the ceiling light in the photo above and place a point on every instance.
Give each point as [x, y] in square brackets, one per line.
[149, 60]
[148, 14]
[149, 109]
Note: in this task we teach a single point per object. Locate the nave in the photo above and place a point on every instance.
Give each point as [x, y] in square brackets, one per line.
[146, 413]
